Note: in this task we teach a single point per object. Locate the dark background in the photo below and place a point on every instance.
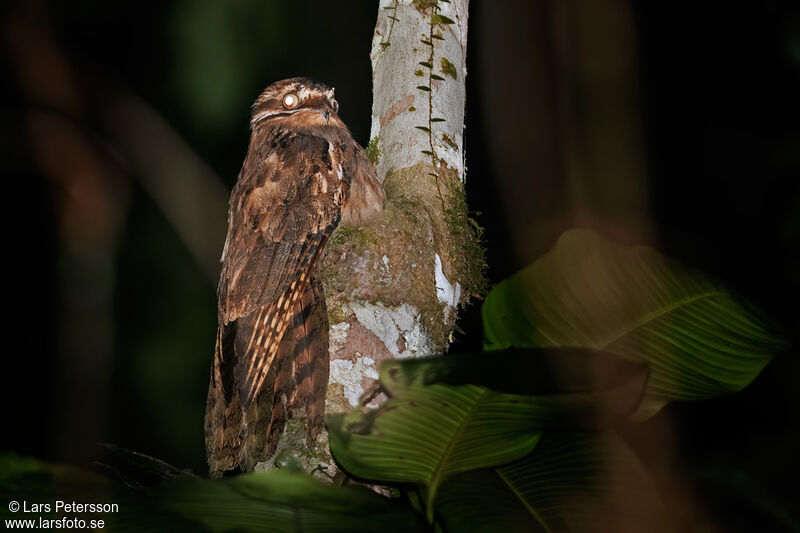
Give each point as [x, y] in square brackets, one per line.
[709, 96]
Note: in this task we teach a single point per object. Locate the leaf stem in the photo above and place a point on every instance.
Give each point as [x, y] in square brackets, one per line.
[434, 157]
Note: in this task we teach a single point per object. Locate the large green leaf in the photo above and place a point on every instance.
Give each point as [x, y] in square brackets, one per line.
[572, 481]
[283, 501]
[698, 338]
[428, 431]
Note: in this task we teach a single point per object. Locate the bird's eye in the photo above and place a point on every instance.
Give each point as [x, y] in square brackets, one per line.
[335, 105]
[290, 101]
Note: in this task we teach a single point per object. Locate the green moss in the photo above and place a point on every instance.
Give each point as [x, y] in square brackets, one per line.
[288, 460]
[294, 452]
[467, 236]
[439, 19]
[408, 207]
[416, 223]
[373, 150]
[424, 6]
[418, 73]
[346, 235]
[336, 315]
[449, 69]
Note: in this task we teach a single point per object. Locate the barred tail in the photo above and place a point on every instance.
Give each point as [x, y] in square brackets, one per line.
[302, 364]
[237, 439]
[311, 362]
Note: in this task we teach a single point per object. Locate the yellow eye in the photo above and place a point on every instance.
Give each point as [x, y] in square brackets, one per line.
[290, 101]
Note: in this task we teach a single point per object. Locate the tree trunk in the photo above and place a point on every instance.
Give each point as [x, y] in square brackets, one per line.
[393, 287]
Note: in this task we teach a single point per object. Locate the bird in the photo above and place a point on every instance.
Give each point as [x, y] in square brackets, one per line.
[302, 176]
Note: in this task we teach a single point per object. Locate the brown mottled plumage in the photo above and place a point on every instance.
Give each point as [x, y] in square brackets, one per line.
[302, 175]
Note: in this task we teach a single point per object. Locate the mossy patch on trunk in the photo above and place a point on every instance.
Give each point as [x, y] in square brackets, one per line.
[391, 261]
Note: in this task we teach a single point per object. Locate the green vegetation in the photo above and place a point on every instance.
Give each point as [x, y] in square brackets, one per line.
[467, 241]
[512, 439]
[373, 150]
[448, 68]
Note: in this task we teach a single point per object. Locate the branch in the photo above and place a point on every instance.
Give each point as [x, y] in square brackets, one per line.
[393, 288]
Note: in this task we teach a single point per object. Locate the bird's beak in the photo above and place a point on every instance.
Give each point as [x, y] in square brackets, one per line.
[326, 114]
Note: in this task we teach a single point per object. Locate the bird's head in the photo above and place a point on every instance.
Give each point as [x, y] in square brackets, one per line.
[300, 101]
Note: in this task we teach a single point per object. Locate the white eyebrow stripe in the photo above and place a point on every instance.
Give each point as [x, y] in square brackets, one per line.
[303, 93]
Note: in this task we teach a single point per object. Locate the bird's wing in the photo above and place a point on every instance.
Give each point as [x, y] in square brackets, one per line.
[287, 202]
[366, 197]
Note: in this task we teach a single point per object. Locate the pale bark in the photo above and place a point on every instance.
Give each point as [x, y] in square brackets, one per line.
[393, 288]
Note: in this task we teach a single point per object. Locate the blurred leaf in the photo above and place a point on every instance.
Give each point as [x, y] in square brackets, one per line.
[139, 471]
[428, 431]
[571, 482]
[23, 477]
[274, 501]
[698, 338]
[285, 501]
[219, 50]
[29, 480]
